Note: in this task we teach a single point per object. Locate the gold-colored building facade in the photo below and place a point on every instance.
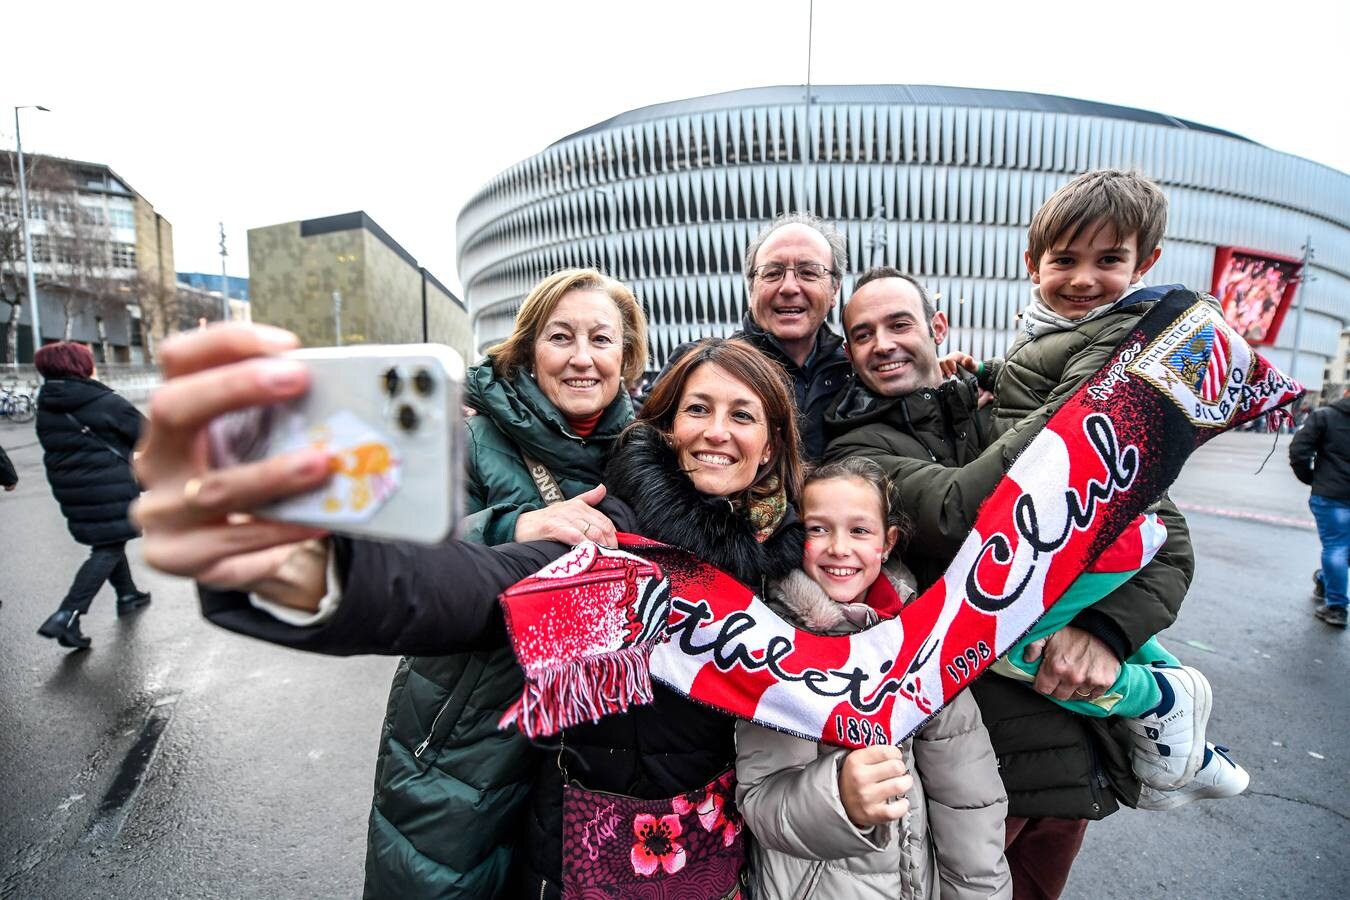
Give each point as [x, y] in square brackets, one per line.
[318, 276]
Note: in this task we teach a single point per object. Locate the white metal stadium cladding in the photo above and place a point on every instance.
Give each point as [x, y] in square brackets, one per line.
[940, 182]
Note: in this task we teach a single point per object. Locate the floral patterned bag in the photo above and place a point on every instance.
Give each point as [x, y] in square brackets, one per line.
[689, 846]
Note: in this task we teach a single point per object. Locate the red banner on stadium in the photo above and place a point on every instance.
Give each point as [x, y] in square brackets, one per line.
[1255, 289]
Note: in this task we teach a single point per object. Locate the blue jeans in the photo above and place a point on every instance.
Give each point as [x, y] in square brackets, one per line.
[1333, 527]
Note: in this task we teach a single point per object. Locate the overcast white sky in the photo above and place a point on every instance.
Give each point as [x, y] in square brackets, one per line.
[261, 112]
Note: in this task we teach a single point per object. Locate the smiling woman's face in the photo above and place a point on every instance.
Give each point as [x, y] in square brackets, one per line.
[578, 354]
[720, 432]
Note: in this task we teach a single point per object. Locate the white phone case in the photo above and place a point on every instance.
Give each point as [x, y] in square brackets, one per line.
[390, 416]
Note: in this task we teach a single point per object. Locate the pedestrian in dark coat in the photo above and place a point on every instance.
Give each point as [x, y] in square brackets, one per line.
[1320, 456]
[87, 433]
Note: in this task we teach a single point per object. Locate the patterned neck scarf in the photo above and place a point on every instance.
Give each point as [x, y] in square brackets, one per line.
[766, 513]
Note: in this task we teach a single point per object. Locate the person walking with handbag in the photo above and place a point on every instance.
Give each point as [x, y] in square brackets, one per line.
[87, 432]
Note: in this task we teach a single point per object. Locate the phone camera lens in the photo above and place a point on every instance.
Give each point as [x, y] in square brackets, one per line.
[423, 383]
[392, 382]
[407, 418]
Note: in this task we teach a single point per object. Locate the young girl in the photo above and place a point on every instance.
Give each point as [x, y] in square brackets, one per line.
[919, 820]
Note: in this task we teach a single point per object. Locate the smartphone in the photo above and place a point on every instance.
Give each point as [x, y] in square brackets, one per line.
[390, 415]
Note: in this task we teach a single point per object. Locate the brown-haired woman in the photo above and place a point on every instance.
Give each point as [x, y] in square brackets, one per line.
[711, 465]
[87, 433]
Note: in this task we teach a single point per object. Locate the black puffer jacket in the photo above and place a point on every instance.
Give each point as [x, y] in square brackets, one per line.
[1320, 452]
[814, 385]
[91, 482]
[403, 598]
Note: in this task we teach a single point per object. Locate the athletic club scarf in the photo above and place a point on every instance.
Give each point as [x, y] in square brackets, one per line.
[593, 629]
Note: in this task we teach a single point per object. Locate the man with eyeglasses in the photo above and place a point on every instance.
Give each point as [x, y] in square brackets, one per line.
[792, 272]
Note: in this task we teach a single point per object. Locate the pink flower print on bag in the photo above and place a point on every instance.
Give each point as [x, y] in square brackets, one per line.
[656, 844]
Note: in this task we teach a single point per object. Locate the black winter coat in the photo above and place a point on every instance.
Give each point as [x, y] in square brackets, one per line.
[88, 458]
[403, 598]
[1320, 452]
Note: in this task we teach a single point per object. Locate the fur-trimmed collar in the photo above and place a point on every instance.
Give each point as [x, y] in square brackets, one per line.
[799, 599]
[644, 472]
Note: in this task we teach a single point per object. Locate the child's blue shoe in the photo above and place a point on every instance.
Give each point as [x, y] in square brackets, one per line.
[1169, 740]
[1218, 777]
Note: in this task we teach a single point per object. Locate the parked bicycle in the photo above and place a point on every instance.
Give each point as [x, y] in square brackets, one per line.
[16, 404]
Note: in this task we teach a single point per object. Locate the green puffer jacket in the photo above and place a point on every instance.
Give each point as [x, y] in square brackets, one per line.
[450, 789]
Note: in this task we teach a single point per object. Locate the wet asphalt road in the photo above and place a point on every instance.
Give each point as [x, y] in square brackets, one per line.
[176, 760]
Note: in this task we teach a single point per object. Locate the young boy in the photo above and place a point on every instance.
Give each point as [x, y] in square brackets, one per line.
[1088, 250]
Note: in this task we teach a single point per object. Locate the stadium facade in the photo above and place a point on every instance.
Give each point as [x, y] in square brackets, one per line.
[938, 181]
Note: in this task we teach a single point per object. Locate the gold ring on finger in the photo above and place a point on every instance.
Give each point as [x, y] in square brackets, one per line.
[191, 488]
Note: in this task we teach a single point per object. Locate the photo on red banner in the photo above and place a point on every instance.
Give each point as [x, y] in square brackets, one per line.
[1255, 289]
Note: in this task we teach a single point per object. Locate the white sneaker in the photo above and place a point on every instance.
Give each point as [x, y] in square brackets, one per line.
[1169, 743]
[1218, 777]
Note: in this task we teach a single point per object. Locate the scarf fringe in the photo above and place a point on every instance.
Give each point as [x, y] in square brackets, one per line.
[582, 690]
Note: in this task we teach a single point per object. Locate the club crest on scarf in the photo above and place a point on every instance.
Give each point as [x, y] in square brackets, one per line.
[594, 628]
[1209, 372]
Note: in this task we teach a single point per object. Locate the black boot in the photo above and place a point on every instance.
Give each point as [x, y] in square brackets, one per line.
[64, 625]
[132, 602]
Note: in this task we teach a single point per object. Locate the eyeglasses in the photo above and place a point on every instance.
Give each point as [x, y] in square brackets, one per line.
[807, 273]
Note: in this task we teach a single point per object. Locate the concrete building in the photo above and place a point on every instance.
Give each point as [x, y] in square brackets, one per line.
[938, 181]
[102, 256]
[345, 273]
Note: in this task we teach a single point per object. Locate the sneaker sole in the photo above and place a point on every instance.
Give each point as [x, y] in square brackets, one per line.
[1181, 798]
[1204, 700]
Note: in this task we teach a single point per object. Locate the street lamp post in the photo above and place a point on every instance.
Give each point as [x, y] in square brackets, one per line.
[27, 239]
[1304, 276]
[224, 280]
[337, 317]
